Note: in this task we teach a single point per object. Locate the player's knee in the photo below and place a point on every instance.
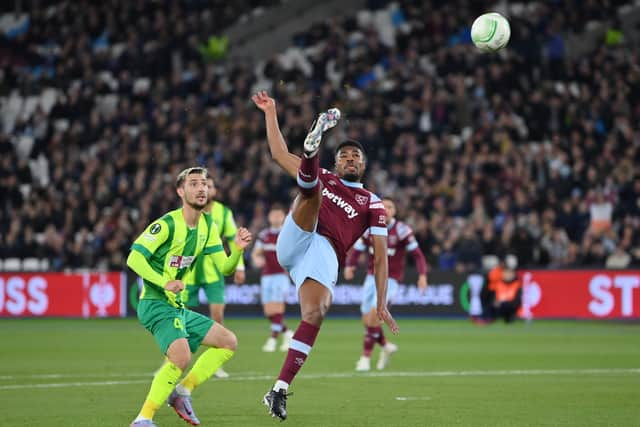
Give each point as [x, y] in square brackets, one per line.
[181, 359]
[315, 315]
[230, 341]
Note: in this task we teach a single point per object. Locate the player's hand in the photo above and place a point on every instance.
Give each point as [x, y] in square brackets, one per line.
[422, 283]
[348, 273]
[243, 238]
[175, 286]
[384, 315]
[238, 277]
[264, 102]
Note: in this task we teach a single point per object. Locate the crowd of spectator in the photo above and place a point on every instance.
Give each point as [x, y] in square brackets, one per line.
[529, 151]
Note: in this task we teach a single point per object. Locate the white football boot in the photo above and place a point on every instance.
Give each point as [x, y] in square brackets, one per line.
[323, 123]
[385, 355]
[364, 364]
[270, 345]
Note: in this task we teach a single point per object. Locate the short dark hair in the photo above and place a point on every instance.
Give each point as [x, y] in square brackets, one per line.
[190, 171]
[350, 143]
[277, 207]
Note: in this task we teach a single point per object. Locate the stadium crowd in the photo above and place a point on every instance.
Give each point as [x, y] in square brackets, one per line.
[530, 151]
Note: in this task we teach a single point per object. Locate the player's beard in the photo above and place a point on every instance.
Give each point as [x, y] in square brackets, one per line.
[196, 205]
[351, 177]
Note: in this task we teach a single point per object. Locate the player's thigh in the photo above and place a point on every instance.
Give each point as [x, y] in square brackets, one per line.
[197, 326]
[319, 263]
[293, 242]
[305, 210]
[220, 337]
[165, 322]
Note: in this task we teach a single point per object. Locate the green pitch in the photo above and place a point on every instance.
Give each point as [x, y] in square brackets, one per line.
[446, 373]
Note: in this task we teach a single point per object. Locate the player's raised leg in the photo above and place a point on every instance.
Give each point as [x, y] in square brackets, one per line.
[307, 205]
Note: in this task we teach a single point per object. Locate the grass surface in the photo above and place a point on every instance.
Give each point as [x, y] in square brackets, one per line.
[446, 373]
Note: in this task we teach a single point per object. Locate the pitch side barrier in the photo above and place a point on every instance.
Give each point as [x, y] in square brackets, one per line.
[581, 294]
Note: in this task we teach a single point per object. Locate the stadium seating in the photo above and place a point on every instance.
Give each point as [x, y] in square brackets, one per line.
[500, 152]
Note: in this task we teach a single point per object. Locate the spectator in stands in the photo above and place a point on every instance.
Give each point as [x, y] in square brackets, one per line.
[510, 140]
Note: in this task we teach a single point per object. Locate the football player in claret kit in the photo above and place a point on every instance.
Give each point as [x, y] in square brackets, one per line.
[274, 280]
[400, 241]
[328, 215]
[163, 256]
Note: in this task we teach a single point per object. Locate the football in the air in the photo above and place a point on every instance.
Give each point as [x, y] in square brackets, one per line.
[490, 32]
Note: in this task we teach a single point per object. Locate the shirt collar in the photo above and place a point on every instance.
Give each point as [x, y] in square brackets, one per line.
[352, 184]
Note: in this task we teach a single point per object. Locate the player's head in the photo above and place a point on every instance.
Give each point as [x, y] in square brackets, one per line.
[276, 215]
[212, 189]
[390, 208]
[350, 160]
[191, 186]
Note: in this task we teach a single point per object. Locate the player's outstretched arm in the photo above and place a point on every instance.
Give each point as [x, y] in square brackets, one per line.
[277, 145]
[381, 274]
[227, 264]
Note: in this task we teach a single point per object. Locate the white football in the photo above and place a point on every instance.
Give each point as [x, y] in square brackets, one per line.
[490, 32]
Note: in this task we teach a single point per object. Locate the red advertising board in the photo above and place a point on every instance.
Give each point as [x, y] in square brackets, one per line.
[62, 295]
[594, 294]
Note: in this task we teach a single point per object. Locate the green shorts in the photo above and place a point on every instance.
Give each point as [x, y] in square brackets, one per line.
[214, 293]
[167, 323]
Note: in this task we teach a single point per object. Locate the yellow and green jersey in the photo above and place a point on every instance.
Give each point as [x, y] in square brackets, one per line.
[168, 249]
[205, 271]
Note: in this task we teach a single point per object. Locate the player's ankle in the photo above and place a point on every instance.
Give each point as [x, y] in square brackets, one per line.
[280, 385]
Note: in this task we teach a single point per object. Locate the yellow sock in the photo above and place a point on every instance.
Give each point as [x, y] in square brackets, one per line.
[206, 365]
[162, 385]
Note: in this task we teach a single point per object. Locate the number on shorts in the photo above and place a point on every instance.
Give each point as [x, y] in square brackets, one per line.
[177, 323]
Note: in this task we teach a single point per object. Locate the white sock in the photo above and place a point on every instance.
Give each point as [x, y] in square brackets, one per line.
[280, 385]
[140, 418]
[182, 391]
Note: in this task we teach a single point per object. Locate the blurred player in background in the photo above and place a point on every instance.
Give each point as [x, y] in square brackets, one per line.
[399, 241]
[163, 256]
[206, 275]
[329, 214]
[274, 280]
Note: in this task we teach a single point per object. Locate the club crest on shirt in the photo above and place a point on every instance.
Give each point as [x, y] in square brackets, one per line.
[331, 182]
[362, 200]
